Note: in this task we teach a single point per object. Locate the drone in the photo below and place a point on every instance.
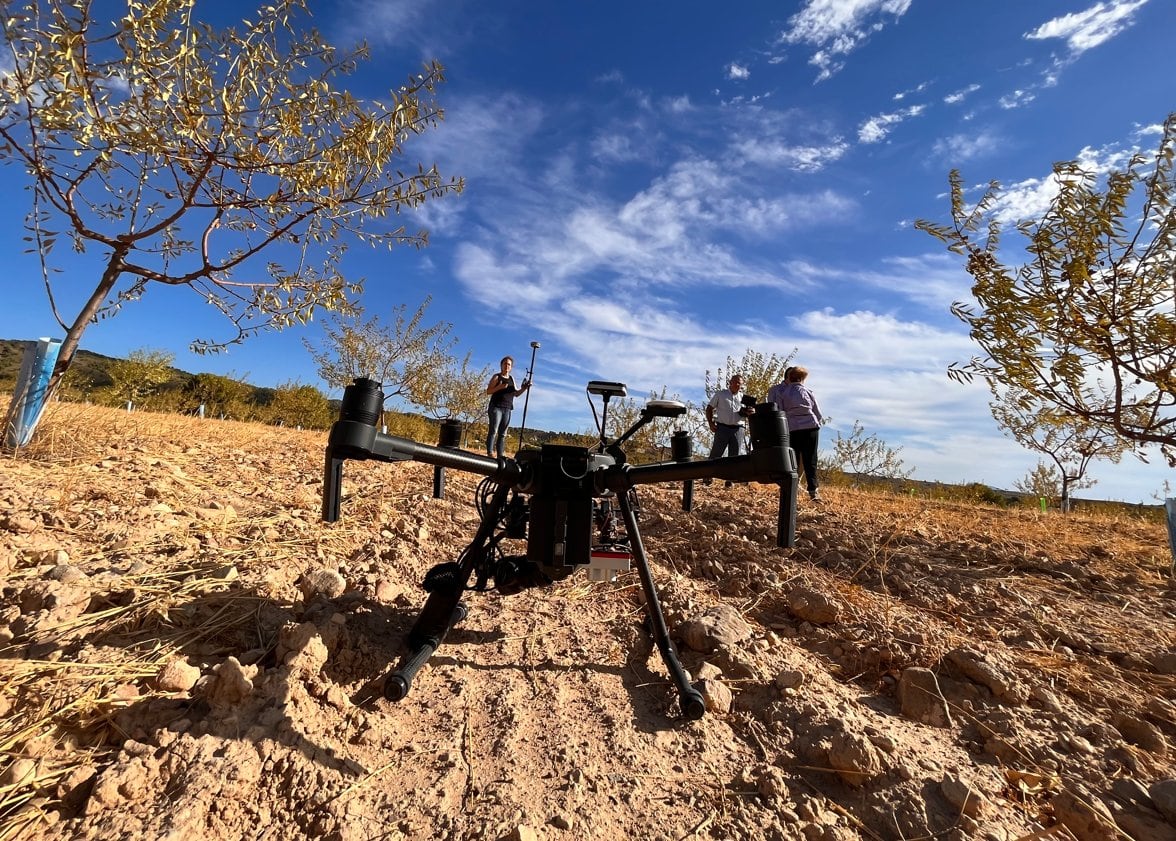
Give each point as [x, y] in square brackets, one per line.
[563, 501]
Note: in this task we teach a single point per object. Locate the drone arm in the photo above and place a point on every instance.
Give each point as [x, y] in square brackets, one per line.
[765, 464]
[642, 421]
[351, 439]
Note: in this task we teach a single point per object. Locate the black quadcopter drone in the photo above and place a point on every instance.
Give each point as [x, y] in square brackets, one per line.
[554, 497]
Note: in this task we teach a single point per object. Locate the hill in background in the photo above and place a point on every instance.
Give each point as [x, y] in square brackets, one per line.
[90, 372]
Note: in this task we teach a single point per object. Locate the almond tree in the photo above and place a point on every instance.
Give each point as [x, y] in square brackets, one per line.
[865, 455]
[176, 153]
[300, 404]
[1087, 324]
[406, 357]
[141, 374]
[458, 391]
[1069, 442]
[759, 373]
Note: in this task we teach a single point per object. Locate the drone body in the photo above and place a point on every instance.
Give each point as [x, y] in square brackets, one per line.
[554, 497]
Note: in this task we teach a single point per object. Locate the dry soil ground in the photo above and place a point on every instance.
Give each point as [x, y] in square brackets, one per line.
[187, 651]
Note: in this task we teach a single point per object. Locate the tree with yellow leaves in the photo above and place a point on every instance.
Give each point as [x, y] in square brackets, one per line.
[177, 153]
[1086, 325]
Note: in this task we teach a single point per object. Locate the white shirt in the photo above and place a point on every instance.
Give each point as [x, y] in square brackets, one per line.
[727, 406]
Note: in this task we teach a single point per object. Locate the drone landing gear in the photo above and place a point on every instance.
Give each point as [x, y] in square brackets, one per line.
[444, 609]
[689, 699]
[424, 639]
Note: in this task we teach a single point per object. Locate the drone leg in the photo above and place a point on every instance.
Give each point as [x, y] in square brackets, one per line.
[443, 609]
[423, 641]
[689, 698]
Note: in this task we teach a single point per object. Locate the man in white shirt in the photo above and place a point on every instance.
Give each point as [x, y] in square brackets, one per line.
[724, 415]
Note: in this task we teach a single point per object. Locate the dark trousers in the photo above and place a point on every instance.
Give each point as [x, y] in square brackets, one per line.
[804, 444]
[728, 441]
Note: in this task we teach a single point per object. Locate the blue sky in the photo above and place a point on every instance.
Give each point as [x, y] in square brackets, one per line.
[654, 187]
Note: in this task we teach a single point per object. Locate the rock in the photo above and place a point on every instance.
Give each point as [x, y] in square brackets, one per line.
[1163, 795]
[231, 683]
[854, 757]
[976, 667]
[21, 523]
[790, 679]
[386, 591]
[1142, 733]
[772, 784]
[1045, 699]
[302, 648]
[716, 695]
[967, 798]
[707, 671]
[920, 699]
[327, 583]
[62, 571]
[21, 772]
[1165, 663]
[1084, 815]
[1131, 791]
[522, 832]
[177, 676]
[812, 606]
[75, 788]
[716, 628]
[1141, 826]
[62, 600]
[1162, 711]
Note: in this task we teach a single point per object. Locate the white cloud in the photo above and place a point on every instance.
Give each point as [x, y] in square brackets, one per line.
[617, 148]
[959, 96]
[1017, 99]
[838, 27]
[1091, 27]
[931, 281]
[1154, 128]
[875, 129]
[479, 136]
[800, 158]
[738, 71]
[1030, 198]
[901, 95]
[964, 147]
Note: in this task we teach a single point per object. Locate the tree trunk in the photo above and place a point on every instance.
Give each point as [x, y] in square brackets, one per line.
[73, 336]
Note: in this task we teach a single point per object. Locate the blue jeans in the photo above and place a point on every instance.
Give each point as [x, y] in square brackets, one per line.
[496, 434]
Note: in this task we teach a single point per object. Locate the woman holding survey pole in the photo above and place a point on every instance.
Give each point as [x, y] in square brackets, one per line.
[502, 391]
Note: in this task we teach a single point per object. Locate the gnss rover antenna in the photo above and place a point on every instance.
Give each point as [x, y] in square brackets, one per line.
[527, 398]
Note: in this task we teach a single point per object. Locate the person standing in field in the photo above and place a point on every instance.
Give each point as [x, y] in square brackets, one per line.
[502, 391]
[724, 415]
[799, 405]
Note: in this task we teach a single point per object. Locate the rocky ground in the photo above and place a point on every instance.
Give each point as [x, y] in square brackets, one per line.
[187, 651]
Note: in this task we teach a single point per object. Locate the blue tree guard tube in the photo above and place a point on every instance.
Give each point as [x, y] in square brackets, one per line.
[32, 385]
[1170, 510]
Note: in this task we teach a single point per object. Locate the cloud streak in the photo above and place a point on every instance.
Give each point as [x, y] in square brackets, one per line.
[1092, 27]
[838, 27]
